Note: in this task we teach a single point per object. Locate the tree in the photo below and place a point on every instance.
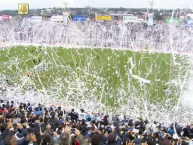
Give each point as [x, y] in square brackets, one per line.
[78, 12]
[157, 16]
[139, 13]
[70, 16]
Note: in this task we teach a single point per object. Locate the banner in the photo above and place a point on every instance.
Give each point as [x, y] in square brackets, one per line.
[173, 21]
[106, 18]
[57, 18]
[65, 18]
[189, 22]
[150, 15]
[79, 18]
[130, 19]
[36, 18]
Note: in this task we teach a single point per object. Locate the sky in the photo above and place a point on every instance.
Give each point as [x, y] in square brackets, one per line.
[159, 4]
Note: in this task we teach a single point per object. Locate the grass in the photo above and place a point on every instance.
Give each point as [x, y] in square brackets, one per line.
[105, 74]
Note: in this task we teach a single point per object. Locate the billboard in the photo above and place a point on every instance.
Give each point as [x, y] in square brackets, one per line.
[79, 18]
[173, 21]
[57, 19]
[5, 17]
[106, 18]
[65, 18]
[130, 19]
[150, 19]
[36, 18]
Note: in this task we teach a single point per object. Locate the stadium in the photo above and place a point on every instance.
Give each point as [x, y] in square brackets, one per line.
[116, 66]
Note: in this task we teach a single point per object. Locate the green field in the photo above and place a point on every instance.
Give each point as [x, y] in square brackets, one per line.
[109, 76]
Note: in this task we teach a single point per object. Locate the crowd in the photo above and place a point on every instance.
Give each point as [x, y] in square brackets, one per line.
[25, 125]
[40, 125]
[107, 34]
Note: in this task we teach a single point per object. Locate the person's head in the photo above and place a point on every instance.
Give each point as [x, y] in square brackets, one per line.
[89, 119]
[72, 110]
[10, 111]
[38, 137]
[33, 120]
[65, 138]
[29, 130]
[126, 141]
[10, 138]
[109, 129]
[46, 140]
[171, 127]
[82, 110]
[95, 140]
[48, 127]
[45, 119]
[53, 114]
[83, 122]
[60, 128]
[3, 127]
[180, 140]
[110, 123]
[12, 115]
[41, 119]
[112, 138]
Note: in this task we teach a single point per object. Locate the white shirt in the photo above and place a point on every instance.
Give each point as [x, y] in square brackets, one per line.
[82, 116]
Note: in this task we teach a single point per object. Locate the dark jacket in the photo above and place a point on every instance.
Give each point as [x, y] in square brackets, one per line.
[2, 136]
[24, 133]
[54, 123]
[186, 131]
[43, 127]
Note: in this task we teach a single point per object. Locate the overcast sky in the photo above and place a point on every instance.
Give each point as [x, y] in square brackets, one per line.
[13, 4]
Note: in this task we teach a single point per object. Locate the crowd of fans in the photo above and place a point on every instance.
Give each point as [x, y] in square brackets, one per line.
[25, 125]
[107, 34]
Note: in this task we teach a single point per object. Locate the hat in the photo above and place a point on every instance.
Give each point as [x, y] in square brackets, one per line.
[19, 136]
[111, 138]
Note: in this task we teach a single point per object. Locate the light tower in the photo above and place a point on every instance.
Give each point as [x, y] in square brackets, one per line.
[65, 3]
[151, 3]
[149, 13]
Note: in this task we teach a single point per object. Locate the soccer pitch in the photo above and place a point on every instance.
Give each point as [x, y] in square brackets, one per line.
[105, 75]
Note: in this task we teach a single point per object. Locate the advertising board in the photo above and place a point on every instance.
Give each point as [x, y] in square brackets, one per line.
[106, 18]
[57, 18]
[5, 17]
[130, 19]
[79, 18]
[173, 21]
[36, 18]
